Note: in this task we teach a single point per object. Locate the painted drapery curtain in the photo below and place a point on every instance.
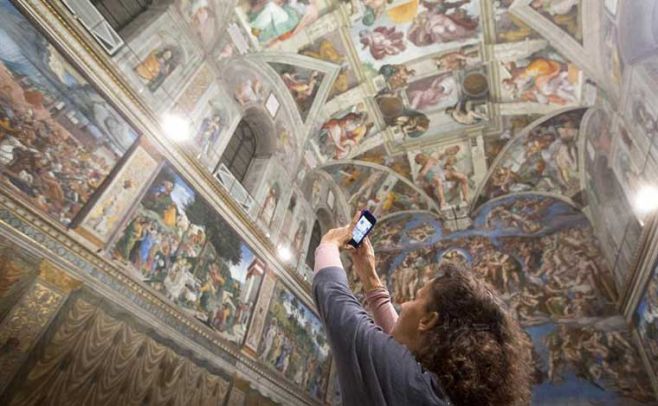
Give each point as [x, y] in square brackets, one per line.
[95, 358]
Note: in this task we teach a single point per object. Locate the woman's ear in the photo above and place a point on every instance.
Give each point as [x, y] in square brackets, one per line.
[428, 321]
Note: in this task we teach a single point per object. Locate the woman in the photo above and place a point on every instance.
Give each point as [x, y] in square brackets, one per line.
[453, 344]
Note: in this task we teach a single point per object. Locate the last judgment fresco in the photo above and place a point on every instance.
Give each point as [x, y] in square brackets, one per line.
[541, 255]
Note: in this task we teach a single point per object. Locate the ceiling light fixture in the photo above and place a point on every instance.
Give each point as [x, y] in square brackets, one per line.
[646, 199]
[176, 127]
[284, 253]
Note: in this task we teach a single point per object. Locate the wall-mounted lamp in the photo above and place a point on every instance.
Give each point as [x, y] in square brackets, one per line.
[176, 127]
[646, 200]
[284, 253]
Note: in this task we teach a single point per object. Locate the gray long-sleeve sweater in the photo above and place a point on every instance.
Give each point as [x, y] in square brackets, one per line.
[372, 368]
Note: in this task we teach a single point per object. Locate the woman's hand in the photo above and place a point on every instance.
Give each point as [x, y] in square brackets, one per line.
[341, 235]
[363, 263]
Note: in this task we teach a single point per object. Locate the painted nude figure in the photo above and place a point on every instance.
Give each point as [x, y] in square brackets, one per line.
[436, 170]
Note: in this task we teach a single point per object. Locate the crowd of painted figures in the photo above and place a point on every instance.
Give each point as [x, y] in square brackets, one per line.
[542, 257]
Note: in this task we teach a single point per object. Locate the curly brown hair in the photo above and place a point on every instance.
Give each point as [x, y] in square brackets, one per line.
[478, 351]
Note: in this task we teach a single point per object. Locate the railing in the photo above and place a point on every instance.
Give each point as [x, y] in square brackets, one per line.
[235, 189]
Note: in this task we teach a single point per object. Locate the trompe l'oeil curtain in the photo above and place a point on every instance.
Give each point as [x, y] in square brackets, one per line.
[96, 359]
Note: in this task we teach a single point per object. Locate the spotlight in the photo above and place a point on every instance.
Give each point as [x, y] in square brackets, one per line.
[176, 127]
[284, 253]
[646, 199]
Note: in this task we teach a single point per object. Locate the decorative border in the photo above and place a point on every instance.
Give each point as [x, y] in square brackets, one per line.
[30, 232]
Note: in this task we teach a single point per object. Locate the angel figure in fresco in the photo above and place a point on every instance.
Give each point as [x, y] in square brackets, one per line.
[428, 96]
[465, 112]
[301, 89]
[434, 26]
[249, 91]
[209, 134]
[383, 42]
[436, 169]
[543, 81]
[346, 132]
[157, 66]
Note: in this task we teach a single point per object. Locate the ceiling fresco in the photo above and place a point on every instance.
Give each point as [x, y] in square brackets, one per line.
[431, 93]
[509, 136]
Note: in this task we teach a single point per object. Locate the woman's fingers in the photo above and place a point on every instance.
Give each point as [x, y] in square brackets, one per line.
[367, 245]
[355, 219]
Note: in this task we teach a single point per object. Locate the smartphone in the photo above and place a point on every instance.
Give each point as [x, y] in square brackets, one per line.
[362, 228]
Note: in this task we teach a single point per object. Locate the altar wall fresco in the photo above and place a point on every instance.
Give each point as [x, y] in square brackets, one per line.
[543, 258]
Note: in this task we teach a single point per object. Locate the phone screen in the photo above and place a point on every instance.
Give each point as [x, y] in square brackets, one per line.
[361, 229]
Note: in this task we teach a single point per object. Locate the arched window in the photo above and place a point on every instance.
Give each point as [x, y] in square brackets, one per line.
[316, 236]
[240, 151]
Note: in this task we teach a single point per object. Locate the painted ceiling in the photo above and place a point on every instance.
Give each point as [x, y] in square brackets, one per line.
[434, 105]
[507, 135]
